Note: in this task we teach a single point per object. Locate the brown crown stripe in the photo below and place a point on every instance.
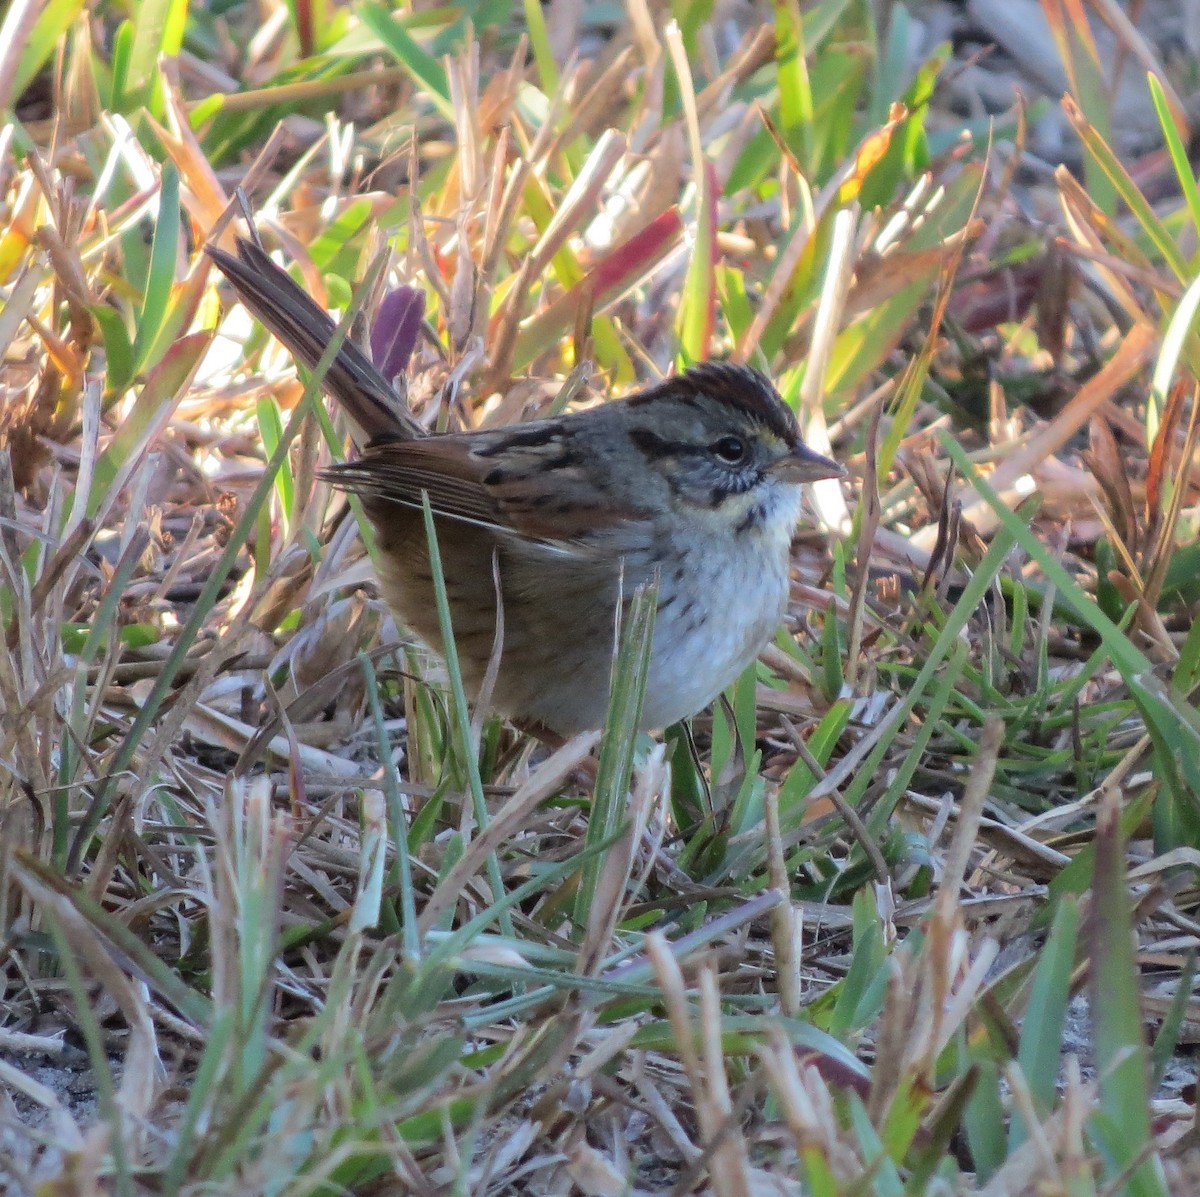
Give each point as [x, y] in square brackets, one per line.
[740, 387]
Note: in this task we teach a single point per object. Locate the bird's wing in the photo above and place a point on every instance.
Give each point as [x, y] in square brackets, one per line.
[497, 480]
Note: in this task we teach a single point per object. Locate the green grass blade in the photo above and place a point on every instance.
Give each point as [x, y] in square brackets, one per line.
[1124, 1130]
[462, 713]
[52, 24]
[1178, 151]
[157, 32]
[425, 70]
[164, 253]
[1045, 1016]
[617, 748]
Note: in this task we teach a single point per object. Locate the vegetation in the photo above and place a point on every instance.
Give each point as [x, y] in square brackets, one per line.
[912, 911]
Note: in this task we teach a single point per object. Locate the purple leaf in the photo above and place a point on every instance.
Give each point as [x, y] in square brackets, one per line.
[395, 329]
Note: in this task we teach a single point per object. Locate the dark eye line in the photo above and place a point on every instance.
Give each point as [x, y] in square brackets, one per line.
[656, 447]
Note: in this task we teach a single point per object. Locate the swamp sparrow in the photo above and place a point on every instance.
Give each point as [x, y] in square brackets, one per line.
[694, 481]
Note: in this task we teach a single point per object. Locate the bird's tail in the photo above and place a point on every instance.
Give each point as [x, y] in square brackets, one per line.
[366, 397]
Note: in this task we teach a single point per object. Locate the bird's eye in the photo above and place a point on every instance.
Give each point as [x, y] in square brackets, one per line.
[731, 449]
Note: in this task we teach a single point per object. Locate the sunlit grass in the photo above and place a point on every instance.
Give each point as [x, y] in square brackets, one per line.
[317, 925]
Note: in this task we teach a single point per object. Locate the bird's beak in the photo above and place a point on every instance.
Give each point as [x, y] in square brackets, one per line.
[803, 465]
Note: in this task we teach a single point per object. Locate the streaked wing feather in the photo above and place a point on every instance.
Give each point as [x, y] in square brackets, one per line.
[461, 485]
[448, 497]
